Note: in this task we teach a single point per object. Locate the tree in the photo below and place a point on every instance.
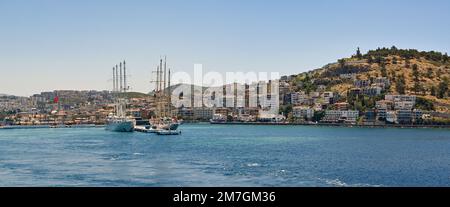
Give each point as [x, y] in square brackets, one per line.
[433, 91]
[416, 74]
[358, 54]
[318, 115]
[394, 49]
[438, 73]
[424, 104]
[401, 84]
[445, 58]
[393, 76]
[380, 60]
[383, 71]
[394, 60]
[442, 88]
[429, 73]
[370, 59]
[341, 62]
[285, 109]
[407, 63]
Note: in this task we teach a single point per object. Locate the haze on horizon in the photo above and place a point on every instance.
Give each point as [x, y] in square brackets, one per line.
[47, 45]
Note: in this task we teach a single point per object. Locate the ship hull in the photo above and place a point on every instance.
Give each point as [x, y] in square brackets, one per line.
[124, 126]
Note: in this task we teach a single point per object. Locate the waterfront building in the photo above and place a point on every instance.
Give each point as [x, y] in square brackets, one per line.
[222, 111]
[336, 116]
[186, 113]
[331, 116]
[272, 118]
[203, 113]
[403, 105]
[370, 116]
[417, 116]
[384, 104]
[251, 111]
[301, 112]
[350, 116]
[381, 113]
[404, 116]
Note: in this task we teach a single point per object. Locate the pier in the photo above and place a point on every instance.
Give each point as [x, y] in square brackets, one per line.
[143, 129]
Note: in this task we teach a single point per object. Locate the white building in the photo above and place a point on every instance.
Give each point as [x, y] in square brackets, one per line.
[335, 116]
[302, 112]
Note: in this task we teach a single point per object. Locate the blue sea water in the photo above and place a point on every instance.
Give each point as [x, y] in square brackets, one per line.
[224, 155]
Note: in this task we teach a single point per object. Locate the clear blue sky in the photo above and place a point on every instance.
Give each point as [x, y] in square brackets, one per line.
[61, 44]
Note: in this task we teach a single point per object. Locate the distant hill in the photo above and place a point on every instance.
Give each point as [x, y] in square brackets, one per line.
[136, 95]
[173, 87]
[425, 74]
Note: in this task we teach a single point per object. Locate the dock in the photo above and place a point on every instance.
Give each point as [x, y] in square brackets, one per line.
[143, 129]
[168, 132]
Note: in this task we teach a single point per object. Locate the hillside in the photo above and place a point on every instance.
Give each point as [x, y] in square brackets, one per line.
[137, 95]
[425, 74]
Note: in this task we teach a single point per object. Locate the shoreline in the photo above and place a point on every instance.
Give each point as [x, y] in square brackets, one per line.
[336, 125]
[49, 126]
[244, 123]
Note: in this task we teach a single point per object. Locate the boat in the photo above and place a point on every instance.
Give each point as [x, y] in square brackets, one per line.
[6, 127]
[218, 118]
[145, 129]
[119, 121]
[118, 124]
[168, 132]
[164, 124]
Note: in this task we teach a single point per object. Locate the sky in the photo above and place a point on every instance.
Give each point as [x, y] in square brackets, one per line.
[48, 45]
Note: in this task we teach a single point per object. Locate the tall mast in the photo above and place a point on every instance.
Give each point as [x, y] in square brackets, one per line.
[157, 79]
[121, 75]
[170, 96]
[160, 74]
[114, 79]
[117, 79]
[124, 78]
[165, 67]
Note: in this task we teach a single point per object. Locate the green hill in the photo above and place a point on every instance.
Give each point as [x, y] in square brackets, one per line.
[425, 74]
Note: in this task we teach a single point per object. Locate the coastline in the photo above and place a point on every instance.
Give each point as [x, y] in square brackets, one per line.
[334, 125]
[248, 124]
[49, 126]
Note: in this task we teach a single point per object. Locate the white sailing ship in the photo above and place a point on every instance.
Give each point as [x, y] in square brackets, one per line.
[119, 121]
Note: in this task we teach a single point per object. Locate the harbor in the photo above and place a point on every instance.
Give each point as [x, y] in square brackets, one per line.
[226, 155]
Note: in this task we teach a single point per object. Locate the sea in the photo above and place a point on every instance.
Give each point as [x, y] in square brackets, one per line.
[226, 155]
